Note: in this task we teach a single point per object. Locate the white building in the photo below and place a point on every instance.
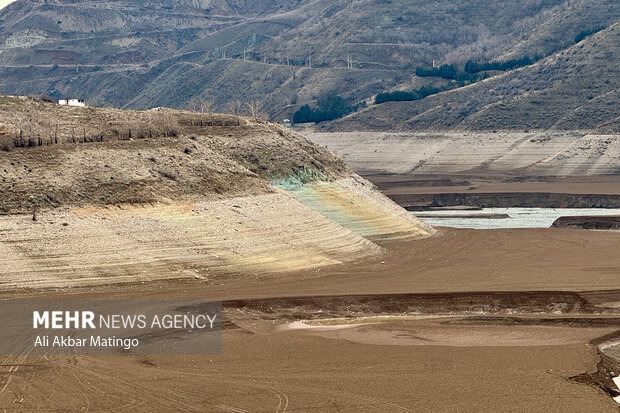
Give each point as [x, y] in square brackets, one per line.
[72, 102]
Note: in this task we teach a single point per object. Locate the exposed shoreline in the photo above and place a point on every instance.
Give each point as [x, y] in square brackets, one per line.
[521, 309]
[589, 222]
[419, 193]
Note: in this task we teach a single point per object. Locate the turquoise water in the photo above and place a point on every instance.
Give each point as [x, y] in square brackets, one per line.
[518, 217]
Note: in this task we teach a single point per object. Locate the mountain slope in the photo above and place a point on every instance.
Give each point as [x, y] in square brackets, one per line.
[576, 88]
[119, 53]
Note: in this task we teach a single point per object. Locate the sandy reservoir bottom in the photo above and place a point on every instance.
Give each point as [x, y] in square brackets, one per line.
[505, 322]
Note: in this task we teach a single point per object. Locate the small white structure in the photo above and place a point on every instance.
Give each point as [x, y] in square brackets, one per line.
[72, 102]
[286, 123]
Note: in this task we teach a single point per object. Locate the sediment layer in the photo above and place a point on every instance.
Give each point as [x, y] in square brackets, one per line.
[95, 196]
[536, 153]
[588, 222]
[255, 234]
[507, 200]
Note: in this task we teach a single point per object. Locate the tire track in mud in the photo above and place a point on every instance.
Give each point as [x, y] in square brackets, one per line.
[284, 399]
[100, 389]
[134, 395]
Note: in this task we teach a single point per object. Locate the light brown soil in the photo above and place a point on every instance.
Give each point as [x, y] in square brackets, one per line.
[292, 372]
[495, 364]
[519, 308]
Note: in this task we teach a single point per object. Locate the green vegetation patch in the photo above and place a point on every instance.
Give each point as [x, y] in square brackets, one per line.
[450, 72]
[328, 107]
[473, 67]
[585, 33]
[405, 96]
[299, 177]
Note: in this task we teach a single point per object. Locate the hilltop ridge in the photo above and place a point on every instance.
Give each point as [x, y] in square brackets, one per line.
[90, 156]
[164, 194]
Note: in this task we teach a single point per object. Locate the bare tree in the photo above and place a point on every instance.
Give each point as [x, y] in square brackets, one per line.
[204, 105]
[198, 104]
[193, 104]
[169, 124]
[255, 109]
[19, 134]
[234, 107]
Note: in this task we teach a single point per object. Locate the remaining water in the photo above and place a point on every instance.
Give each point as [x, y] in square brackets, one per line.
[517, 217]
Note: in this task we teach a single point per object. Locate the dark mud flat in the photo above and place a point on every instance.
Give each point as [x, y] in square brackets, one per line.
[589, 222]
[414, 202]
[448, 208]
[396, 181]
[505, 279]
[530, 318]
[533, 302]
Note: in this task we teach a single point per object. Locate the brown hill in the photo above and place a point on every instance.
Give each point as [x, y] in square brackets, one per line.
[57, 156]
[127, 54]
[117, 196]
[572, 89]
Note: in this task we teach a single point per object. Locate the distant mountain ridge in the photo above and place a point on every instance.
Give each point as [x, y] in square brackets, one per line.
[281, 54]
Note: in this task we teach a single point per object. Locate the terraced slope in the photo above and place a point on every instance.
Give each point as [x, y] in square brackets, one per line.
[359, 210]
[536, 154]
[173, 199]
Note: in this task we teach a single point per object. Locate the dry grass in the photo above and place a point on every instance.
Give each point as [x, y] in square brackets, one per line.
[110, 156]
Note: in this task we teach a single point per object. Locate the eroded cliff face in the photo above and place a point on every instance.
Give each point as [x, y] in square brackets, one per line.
[507, 200]
[588, 222]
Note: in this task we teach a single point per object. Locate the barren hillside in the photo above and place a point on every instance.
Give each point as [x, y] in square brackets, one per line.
[281, 54]
[104, 196]
[512, 155]
[76, 156]
[575, 89]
